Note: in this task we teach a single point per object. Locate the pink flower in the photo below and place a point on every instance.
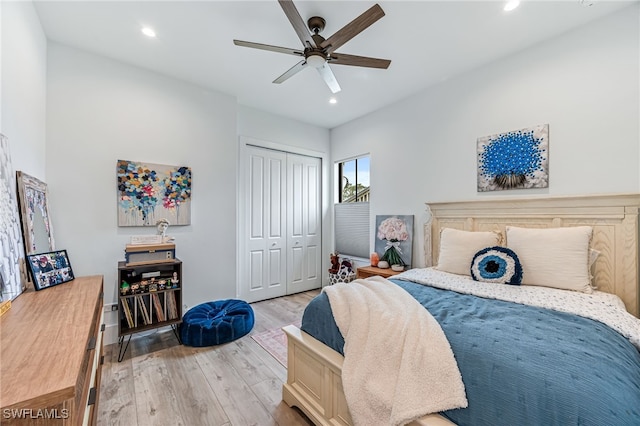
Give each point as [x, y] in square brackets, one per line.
[393, 228]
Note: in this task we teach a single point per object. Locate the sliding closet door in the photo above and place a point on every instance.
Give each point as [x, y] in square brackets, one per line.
[263, 241]
[280, 223]
[304, 224]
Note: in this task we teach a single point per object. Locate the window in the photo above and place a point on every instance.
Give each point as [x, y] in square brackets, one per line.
[353, 176]
[352, 208]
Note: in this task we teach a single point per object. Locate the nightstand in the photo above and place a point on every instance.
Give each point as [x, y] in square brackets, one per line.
[370, 271]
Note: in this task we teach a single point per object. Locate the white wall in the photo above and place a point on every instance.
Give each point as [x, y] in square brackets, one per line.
[23, 86]
[272, 131]
[258, 124]
[100, 111]
[584, 84]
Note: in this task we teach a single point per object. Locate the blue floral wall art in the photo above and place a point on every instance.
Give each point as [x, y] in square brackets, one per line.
[514, 160]
[149, 192]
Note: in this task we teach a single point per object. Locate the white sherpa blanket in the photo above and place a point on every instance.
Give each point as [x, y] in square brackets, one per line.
[398, 364]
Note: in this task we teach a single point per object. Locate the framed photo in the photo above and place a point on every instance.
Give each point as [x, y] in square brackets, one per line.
[50, 268]
[33, 200]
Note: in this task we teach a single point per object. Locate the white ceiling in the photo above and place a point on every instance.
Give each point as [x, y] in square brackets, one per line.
[427, 42]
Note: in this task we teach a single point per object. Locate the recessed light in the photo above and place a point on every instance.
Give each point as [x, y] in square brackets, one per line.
[511, 5]
[333, 101]
[148, 32]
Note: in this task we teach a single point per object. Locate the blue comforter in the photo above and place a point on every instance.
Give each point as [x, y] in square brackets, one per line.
[522, 365]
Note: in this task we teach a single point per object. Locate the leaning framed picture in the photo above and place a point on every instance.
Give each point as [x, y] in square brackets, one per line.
[394, 239]
[50, 268]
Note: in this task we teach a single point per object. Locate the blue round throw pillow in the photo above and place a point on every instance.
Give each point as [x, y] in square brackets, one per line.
[496, 265]
[214, 323]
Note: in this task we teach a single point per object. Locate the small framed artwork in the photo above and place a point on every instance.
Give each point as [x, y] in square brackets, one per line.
[50, 268]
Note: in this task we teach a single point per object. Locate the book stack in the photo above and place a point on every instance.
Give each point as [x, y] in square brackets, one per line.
[144, 312]
[127, 311]
[172, 310]
[158, 307]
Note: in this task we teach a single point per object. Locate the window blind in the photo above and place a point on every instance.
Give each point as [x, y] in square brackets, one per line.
[352, 235]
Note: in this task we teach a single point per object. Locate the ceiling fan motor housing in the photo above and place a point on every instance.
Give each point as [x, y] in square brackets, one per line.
[316, 24]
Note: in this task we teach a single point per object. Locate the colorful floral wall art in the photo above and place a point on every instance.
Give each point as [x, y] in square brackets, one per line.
[12, 259]
[149, 192]
[394, 238]
[513, 160]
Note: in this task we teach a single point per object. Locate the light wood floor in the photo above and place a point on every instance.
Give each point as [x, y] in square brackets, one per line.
[160, 382]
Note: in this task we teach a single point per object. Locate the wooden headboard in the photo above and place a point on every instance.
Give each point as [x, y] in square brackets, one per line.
[614, 219]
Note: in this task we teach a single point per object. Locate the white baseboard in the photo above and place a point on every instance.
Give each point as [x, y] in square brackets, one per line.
[110, 334]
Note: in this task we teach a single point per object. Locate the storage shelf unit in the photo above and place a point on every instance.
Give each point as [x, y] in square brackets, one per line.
[142, 308]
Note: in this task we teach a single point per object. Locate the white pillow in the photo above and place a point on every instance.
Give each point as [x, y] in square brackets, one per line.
[553, 257]
[457, 248]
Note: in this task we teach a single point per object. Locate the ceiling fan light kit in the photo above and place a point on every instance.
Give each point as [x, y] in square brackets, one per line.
[317, 51]
[148, 31]
[316, 60]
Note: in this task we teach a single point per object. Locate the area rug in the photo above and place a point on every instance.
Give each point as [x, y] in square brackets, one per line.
[274, 341]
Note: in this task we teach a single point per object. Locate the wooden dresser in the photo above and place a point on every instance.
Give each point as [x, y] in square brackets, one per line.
[51, 355]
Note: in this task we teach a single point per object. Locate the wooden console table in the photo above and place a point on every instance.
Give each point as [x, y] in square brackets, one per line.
[51, 351]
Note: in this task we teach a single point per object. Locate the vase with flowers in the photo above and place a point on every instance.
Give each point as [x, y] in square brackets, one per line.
[393, 230]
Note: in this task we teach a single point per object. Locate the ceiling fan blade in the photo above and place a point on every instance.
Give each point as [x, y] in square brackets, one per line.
[268, 47]
[291, 71]
[358, 61]
[298, 23]
[328, 77]
[353, 28]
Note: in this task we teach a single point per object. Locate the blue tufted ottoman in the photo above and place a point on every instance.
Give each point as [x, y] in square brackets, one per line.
[214, 323]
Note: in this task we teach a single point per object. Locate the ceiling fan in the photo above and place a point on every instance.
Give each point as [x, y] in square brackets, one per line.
[319, 52]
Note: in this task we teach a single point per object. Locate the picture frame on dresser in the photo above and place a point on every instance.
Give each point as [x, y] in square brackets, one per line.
[50, 269]
[33, 201]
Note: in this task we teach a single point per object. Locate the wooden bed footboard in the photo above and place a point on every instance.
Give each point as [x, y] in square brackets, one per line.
[314, 382]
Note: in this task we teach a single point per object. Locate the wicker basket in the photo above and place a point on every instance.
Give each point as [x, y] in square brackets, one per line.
[341, 277]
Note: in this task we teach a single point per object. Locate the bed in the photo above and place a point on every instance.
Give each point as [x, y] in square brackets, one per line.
[314, 373]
